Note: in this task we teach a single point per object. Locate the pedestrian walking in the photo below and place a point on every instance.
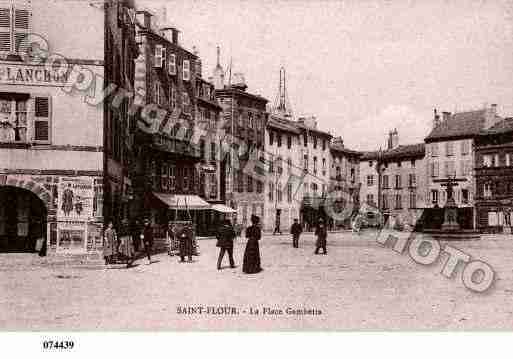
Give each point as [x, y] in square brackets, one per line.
[172, 239]
[136, 235]
[225, 236]
[147, 238]
[251, 262]
[321, 234]
[110, 243]
[186, 246]
[295, 230]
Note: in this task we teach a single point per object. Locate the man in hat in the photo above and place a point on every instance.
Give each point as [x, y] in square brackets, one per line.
[321, 234]
[147, 238]
[295, 230]
[225, 236]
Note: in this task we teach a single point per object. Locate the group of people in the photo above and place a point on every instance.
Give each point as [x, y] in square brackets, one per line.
[321, 233]
[126, 247]
[182, 242]
[226, 235]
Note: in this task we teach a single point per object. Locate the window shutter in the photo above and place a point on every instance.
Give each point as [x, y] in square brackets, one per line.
[171, 67]
[22, 23]
[158, 56]
[42, 113]
[186, 70]
[5, 26]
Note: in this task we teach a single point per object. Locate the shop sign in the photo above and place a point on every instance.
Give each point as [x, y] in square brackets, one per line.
[12, 74]
[75, 198]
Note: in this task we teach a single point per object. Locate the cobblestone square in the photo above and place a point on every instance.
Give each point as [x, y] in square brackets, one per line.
[358, 285]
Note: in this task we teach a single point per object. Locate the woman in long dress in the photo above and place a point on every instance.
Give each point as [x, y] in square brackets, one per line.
[251, 262]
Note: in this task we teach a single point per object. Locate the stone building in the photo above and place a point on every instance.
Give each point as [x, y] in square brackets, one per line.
[282, 149]
[344, 188]
[244, 118]
[51, 128]
[494, 177]
[450, 151]
[121, 50]
[315, 159]
[169, 166]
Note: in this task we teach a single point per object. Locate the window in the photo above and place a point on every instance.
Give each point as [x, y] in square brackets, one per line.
[186, 70]
[279, 193]
[271, 164]
[370, 163]
[315, 165]
[449, 169]
[157, 96]
[202, 148]
[305, 139]
[186, 179]
[412, 163]
[164, 182]
[172, 96]
[271, 191]
[160, 56]
[508, 159]
[212, 151]
[398, 202]
[315, 142]
[413, 199]
[370, 180]
[250, 119]
[449, 149]
[289, 142]
[172, 181]
[186, 102]
[412, 180]
[278, 137]
[305, 163]
[289, 192]
[434, 149]
[398, 181]
[465, 198]
[171, 65]
[213, 185]
[384, 199]
[434, 169]
[15, 23]
[42, 128]
[370, 199]
[487, 190]
[250, 183]
[434, 196]
[496, 162]
[240, 182]
[465, 145]
[279, 165]
[289, 164]
[259, 186]
[271, 138]
[385, 181]
[324, 145]
[399, 164]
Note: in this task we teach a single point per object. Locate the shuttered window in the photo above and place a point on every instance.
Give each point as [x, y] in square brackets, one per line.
[42, 119]
[172, 64]
[186, 70]
[15, 22]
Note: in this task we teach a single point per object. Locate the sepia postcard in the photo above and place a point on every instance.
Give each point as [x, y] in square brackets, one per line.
[270, 165]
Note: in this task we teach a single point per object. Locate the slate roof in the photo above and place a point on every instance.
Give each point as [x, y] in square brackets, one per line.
[503, 126]
[405, 151]
[282, 124]
[460, 125]
[339, 148]
[306, 128]
[369, 155]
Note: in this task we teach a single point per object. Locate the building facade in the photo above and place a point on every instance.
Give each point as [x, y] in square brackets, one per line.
[51, 134]
[345, 182]
[315, 158]
[450, 152]
[244, 118]
[494, 178]
[168, 161]
[282, 146]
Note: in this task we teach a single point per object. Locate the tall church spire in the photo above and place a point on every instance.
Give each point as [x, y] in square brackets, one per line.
[218, 73]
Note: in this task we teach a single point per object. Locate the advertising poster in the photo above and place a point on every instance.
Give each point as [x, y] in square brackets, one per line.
[76, 196]
[71, 236]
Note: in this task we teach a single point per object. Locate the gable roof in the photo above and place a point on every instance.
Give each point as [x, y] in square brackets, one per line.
[462, 125]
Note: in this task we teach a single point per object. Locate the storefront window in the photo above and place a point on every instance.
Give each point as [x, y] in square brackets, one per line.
[13, 120]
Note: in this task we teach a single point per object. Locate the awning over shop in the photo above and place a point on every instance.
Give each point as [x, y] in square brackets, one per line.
[182, 201]
[223, 209]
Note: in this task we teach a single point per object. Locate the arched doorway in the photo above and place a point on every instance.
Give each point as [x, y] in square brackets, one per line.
[22, 219]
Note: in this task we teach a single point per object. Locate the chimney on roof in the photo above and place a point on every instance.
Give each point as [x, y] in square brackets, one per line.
[436, 119]
[393, 139]
[445, 116]
[491, 117]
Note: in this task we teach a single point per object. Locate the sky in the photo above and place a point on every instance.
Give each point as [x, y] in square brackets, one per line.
[361, 67]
